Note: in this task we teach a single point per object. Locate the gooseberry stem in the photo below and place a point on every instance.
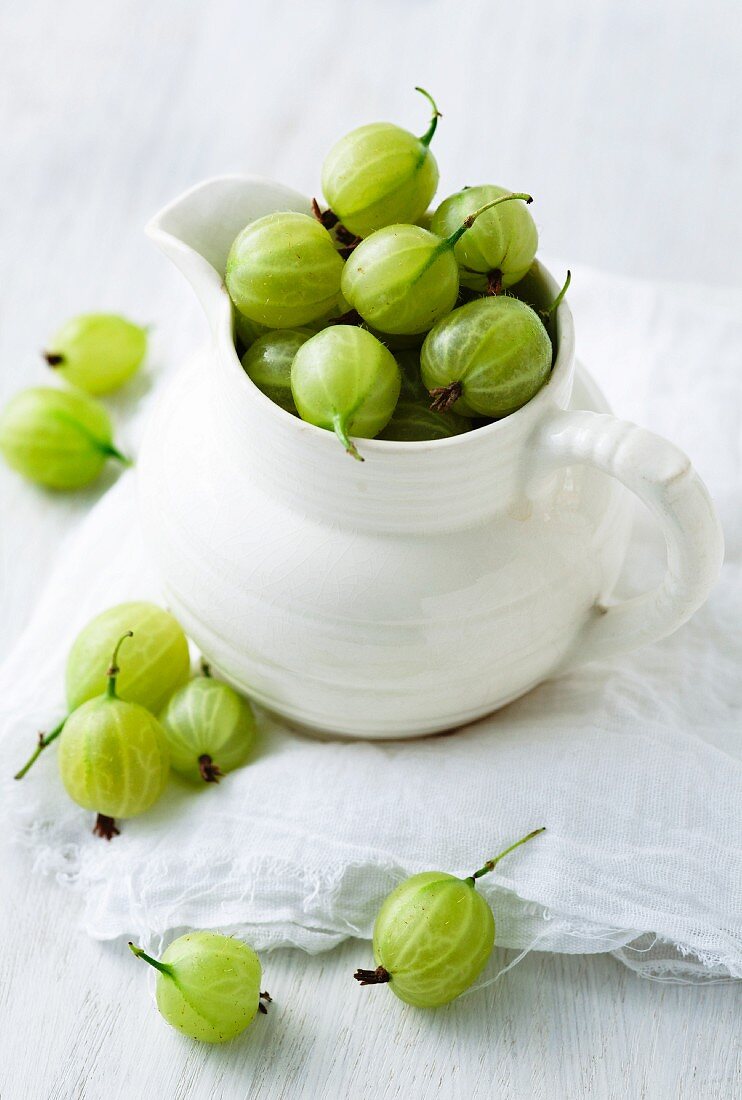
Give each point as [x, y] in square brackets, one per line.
[428, 135]
[445, 397]
[113, 670]
[44, 740]
[491, 863]
[559, 298]
[341, 431]
[373, 977]
[114, 452]
[140, 954]
[53, 358]
[468, 222]
[210, 772]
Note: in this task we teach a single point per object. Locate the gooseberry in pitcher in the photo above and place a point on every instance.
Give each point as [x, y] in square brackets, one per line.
[268, 363]
[57, 438]
[487, 358]
[433, 936]
[283, 270]
[403, 278]
[210, 729]
[500, 248]
[380, 174]
[208, 985]
[113, 756]
[97, 352]
[346, 381]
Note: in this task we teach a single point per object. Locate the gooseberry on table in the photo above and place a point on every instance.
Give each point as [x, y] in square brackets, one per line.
[113, 756]
[209, 727]
[157, 662]
[500, 248]
[433, 935]
[268, 363]
[283, 271]
[57, 438]
[97, 352]
[486, 358]
[208, 985]
[346, 381]
[380, 175]
[403, 278]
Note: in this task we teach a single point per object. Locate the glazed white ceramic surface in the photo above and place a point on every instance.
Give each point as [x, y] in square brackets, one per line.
[428, 585]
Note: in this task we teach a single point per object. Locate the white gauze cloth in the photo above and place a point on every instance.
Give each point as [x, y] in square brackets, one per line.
[632, 764]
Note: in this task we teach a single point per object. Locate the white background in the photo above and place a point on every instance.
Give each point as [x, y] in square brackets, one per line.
[624, 121]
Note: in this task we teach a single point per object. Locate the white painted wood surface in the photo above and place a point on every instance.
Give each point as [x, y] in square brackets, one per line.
[624, 119]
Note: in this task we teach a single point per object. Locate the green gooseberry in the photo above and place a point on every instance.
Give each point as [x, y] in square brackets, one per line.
[403, 278]
[433, 936]
[414, 421]
[381, 175]
[283, 271]
[210, 729]
[502, 245]
[208, 985]
[346, 381]
[113, 756]
[97, 352]
[157, 663]
[247, 331]
[57, 438]
[487, 358]
[268, 363]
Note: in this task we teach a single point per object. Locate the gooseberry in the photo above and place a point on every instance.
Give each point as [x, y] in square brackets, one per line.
[208, 985]
[346, 381]
[433, 936]
[487, 358]
[57, 438]
[113, 755]
[268, 363]
[157, 663]
[97, 352]
[247, 331]
[380, 175]
[403, 278]
[500, 248]
[283, 270]
[210, 729]
[415, 421]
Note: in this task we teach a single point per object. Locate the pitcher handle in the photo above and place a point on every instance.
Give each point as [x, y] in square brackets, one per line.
[665, 481]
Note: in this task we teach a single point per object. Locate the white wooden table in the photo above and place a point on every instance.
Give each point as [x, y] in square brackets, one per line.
[623, 118]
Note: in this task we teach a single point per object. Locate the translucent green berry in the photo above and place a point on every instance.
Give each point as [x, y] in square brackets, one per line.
[380, 175]
[345, 380]
[490, 356]
[97, 352]
[502, 244]
[284, 271]
[57, 438]
[210, 729]
[113, 756]
[433, 936]
[208, 985]
[268, 363]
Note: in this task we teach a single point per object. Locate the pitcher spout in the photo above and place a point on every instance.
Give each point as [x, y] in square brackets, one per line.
[196, 231]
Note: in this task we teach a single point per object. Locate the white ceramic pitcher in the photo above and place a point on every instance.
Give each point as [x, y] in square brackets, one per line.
[428, 585]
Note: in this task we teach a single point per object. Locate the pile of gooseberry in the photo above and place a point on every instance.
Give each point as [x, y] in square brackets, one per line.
[378, 317]
[135, 712]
